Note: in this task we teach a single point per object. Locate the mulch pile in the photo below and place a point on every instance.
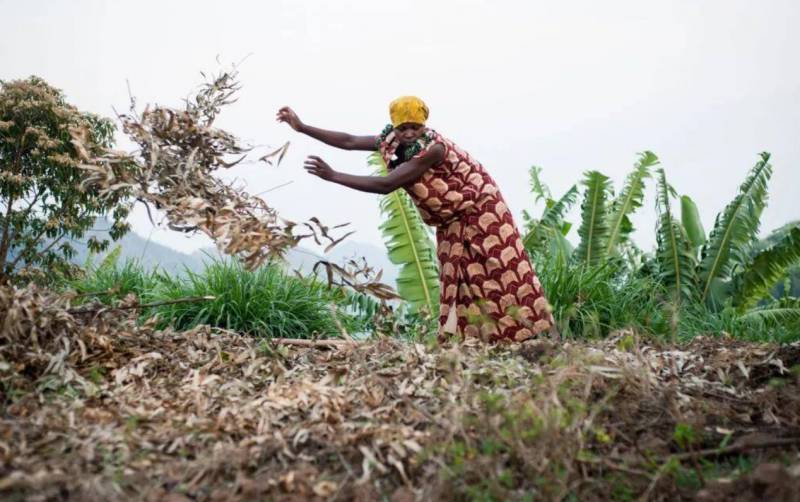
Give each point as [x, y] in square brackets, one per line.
[97, 407]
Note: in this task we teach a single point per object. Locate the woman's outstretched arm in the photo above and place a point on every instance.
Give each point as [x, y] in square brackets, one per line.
[333, 138]
[404, 174]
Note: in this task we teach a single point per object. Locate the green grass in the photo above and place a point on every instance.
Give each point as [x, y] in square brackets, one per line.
[266, 302]
[588, 302]
[593, 301]
[110, 282]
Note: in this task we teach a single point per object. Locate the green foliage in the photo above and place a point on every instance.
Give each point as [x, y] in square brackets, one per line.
[110, 282]
[765, 269]
[549, 232]
[42, 203]
[590, 301]
[265, 302]
[628, 201]
[734, 232]
[783, 314]
[674, 252]
[684, 436]
[613, 285]
[690, 218]
[594, 230]
[539, 189]
[409, 246]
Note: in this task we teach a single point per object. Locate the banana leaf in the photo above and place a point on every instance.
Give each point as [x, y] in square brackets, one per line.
[410, 246]
[735, 230]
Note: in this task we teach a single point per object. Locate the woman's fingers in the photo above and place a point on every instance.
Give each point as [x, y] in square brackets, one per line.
[284, 114]
[312, 165]
[313, 159]
[317, 166]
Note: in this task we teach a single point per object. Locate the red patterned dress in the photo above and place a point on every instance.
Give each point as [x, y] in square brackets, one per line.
[483, 267]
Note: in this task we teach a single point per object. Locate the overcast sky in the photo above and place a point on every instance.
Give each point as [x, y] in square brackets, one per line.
[570, 86]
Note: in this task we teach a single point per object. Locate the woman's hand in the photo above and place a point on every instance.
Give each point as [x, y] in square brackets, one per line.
[288, 115]
[319, 167]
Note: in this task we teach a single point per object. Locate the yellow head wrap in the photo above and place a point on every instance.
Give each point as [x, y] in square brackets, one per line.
[408, 109]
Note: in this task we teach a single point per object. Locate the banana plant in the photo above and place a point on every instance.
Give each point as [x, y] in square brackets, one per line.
[605, 226]
[782, 312]
[548, 233]
[690, 219]
[765, 268]
[410, 246]
[594, 230]
[676, 259]
[731, 269]
[733, 235]
[630, 199]
[726, 270]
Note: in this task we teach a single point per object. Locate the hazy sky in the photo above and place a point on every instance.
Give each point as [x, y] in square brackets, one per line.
[570, 86]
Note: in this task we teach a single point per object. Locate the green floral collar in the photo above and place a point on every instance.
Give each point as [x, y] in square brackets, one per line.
[414, 148]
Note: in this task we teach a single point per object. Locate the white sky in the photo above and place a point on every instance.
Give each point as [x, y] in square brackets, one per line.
[570, 86]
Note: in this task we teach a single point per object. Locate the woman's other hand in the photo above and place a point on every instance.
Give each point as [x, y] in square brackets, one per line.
[319, 167]
[288, 115]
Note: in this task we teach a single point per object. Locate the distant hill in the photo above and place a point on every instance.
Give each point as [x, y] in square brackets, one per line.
[150, 254]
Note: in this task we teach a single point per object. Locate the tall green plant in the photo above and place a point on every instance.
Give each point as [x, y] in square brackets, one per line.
[264, 302]
[628, 201]
[674, 252]
[734, 231]
[539, 189]
[410, 247]
[594, 230]
[690, 219]
[549, 232]
[718, 288]
[765, 269]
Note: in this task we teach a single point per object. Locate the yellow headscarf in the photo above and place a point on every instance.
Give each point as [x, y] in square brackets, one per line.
[408, 109]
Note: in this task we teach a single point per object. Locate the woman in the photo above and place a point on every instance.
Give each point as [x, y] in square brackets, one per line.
[488, 286]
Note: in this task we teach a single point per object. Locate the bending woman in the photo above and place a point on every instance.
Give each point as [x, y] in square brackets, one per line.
[488, 287]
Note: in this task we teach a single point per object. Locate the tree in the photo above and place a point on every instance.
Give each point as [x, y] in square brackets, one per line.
[43, 205]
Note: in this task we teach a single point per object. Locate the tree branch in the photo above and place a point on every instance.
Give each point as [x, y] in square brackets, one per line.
[140, 305]
[321, 344]
[5, 241]
[49, 246]
[737, 448]
[27, 212]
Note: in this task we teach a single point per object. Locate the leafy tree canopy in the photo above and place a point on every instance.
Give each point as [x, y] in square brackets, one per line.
[43, 205]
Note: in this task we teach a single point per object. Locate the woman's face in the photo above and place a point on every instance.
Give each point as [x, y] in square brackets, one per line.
[409, 132]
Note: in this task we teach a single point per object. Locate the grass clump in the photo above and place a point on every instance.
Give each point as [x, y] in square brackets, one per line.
[266, 302]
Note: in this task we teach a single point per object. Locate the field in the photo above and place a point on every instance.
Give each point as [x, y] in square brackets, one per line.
[673, 373]
[105, 408]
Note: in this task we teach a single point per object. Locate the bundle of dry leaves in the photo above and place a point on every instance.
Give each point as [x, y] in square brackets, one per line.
[96, 407]
[173, 170]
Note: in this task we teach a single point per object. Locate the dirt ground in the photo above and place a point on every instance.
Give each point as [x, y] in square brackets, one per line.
[95, 407]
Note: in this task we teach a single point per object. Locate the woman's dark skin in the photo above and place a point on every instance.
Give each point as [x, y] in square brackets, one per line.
[402, 175]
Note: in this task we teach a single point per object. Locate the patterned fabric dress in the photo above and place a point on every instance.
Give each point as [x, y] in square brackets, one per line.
[484, 269]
